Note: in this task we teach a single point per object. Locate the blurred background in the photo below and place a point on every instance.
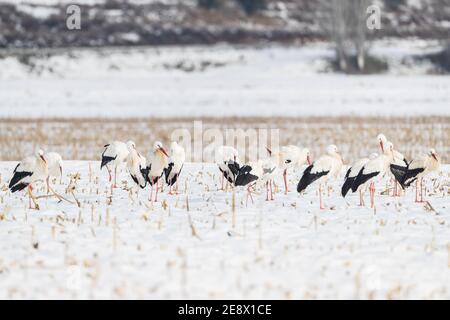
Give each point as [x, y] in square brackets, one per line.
[139, 69]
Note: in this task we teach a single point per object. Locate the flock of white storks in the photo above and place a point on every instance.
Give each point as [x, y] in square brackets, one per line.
[361, 176]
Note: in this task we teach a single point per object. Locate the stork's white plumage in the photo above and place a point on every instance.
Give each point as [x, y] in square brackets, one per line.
[28, 171]
[326, 167]
[351, 175]
[115, 154]
[55, 167]
[290, 157]
[223, 156]
[176, 162]
[416, 171]
[374, 171]
[136, 165]
[399, 159]
[158, 161]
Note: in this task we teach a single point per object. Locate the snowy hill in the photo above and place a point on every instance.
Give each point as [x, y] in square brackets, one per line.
[42, 23]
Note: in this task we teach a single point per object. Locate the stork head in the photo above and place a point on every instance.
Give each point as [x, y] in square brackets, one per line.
[131, 145]
[382, 140]
[332, 150]
[158, 147]
[433, 154]
[40, 154]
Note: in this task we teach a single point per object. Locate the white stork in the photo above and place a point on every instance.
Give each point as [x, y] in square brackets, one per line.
[245, 175]
[158, 161]
[351, 175]
[269, 170]
[290, 157]
[416, 170]
[28, 171]
[399, 159]
[55, 167]
[374, 171]
[136, 165]
[176, 162]
[326, 167]
[114, 154]
[223, 155]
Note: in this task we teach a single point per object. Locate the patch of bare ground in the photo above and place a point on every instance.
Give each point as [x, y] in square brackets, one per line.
[83, 139]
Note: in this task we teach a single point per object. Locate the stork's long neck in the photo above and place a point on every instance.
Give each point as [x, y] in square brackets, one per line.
[43, 165]
[433, 163]
[134, 156]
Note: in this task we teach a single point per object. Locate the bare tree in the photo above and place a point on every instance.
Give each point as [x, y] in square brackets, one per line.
[345, 23]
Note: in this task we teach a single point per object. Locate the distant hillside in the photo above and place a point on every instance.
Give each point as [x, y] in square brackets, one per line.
[41, 23]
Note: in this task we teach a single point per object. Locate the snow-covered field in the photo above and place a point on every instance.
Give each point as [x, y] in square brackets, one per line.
[218, 81]
[118, 247]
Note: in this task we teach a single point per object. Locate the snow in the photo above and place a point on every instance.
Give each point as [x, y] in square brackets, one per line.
[217, 81]
[38, 12]
[281, 249]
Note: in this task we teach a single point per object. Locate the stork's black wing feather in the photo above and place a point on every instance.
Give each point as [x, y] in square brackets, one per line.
[134, 178]
[406, 162]
[19, 187]
[175, 177]
[347, 185]
[244, 177]
[348, 172]
[308, 178]
[167, 172]
[145, 172]
[106, 159]
[151, 180]
[18, 175]
[234, 167]
[411, 176]
[362, 178]
[399, 173]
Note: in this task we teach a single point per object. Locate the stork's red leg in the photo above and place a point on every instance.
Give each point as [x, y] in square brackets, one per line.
[271, 190]
[320, 197]
[285, 181]
[115, 177]
[109, 174]
[372, 197]
[250, 193]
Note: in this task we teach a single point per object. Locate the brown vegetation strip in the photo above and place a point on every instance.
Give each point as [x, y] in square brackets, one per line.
[82, 139]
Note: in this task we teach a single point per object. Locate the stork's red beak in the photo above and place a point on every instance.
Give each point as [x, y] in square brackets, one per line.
[269, 151]
[382, 146]
[308, 159]
[164, 151]
[43, 159]
[434, 156]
